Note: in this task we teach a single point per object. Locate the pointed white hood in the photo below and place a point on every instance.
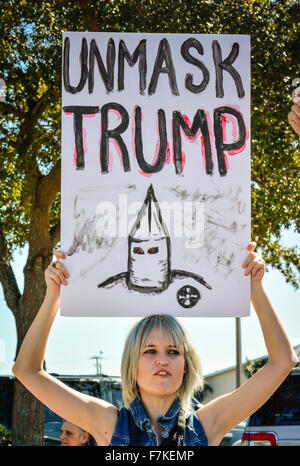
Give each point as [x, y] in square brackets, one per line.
[149, 249]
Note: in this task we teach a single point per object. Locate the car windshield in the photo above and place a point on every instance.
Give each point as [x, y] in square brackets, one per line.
[50, 416]
[283, 408]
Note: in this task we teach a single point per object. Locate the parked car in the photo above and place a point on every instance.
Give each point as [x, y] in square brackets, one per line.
[105, 387]
[277, 422]
[234, 436]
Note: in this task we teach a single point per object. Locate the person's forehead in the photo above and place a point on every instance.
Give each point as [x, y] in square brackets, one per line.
[158, 336]
[70, 427]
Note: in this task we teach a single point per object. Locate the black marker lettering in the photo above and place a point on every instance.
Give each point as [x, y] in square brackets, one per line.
[199, 122]
[83, 65]
[140, 52]
[106, 75]
[77, 124]
[221, 147]
[227, 66]
[107, 134]
[185, 52]
[161, 158]
[163, 55]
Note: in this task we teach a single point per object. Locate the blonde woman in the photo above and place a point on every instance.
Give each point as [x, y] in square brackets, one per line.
[160, 371]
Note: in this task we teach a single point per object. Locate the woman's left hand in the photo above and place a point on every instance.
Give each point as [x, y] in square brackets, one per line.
[254, 264]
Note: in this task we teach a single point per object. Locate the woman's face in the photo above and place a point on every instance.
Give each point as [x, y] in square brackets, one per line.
[160, 366]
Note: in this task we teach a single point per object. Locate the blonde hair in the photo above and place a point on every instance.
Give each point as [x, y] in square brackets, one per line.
[138, 338]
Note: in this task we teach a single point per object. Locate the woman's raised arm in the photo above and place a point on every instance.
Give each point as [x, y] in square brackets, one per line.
[225, 412]
[93, 415]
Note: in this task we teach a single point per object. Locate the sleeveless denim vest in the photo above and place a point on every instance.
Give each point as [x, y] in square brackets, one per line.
[194, 432]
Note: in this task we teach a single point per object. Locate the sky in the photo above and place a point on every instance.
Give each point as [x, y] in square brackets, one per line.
[74, 341]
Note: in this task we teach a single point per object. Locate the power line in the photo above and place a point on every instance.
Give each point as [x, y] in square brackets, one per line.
[76, 360]
[98, 362]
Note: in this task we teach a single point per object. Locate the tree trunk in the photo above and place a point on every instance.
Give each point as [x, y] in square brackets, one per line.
[28, 418]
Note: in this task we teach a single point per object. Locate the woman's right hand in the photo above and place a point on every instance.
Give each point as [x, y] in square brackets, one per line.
[56, 274]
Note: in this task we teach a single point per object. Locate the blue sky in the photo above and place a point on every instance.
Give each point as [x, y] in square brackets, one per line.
[74, 340]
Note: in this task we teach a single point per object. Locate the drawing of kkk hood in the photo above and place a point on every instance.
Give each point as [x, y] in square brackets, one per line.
[149, 249]
[149, 257]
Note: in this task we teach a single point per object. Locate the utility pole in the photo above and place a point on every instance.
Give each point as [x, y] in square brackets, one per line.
[98, 362]
[238, 345]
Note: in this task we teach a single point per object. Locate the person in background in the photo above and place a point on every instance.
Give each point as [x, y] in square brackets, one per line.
[74, 436]
[294, 115]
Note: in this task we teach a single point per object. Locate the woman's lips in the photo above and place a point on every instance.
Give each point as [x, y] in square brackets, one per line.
[163, 373]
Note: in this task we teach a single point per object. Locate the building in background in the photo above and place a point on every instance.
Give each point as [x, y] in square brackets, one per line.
[224, 380]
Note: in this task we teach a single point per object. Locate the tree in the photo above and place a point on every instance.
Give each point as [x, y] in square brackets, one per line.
[5, 436]
[203, 392]
[30, 64]
[253, 365]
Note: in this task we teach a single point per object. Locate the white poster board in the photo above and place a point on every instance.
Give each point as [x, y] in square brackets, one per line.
[155, 174]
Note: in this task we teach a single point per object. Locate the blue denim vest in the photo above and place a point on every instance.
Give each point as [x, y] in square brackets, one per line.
[194, 432]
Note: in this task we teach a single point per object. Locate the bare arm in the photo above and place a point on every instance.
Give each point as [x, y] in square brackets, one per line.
[91, 414]
[225, 412]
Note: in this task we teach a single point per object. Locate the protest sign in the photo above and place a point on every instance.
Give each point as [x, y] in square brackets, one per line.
[155, 211]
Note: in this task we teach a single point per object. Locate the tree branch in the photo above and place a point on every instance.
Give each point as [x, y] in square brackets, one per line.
[35, 111]
[50, 184]
[7, 278]
[55, 234]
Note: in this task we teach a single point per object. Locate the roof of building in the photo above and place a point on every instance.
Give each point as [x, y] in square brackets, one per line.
[228, 369]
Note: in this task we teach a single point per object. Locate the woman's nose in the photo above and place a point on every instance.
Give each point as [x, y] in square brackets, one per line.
[162, 361]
